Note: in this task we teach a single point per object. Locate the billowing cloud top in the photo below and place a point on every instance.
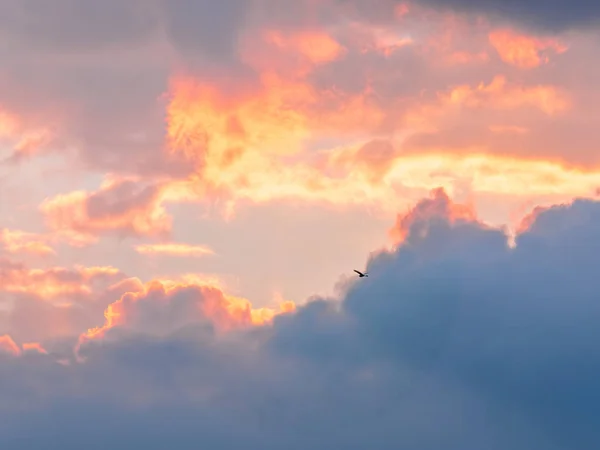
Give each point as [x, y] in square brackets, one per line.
[455, 340]
[164, 161]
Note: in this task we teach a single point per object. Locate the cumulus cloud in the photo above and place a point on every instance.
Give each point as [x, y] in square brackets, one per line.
[56, 302]
[456, 340]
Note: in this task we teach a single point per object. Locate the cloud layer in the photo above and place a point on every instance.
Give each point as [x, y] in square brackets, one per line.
[456, 339]
[137, 135]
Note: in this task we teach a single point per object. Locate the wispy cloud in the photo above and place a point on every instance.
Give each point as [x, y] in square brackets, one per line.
[174, 249]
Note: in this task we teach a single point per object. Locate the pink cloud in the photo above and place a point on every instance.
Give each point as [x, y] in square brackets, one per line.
[523, 51]
[121, 207]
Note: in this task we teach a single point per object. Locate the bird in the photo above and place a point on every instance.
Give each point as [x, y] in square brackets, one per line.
[360, 274]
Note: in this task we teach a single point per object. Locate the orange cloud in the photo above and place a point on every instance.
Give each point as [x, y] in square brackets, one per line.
[219, 132]
[241, 142]
[523, 51]
[174, 249]
[499, 94]
[529, 219]
[54, 282]
[222, 131]
[401, 10]
[123, 207]
[439, 205]
[262, 316]
[265, 142]
[373, 159]
[7, 345]
[23, 139]
[17, 241]
[9, 124]
[163, 307]
[34, 347]
[32, 317]
[317, 46]
[379, 175]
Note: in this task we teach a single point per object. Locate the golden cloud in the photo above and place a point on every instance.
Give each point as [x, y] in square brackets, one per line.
[174, 249]
[123, 207]
[526, 52]
[18, 241]
[165, 306]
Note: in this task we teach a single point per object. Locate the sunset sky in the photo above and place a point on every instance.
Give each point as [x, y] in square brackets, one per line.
[187, 185]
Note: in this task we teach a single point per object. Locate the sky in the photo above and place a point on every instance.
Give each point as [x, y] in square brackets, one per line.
[186, 187]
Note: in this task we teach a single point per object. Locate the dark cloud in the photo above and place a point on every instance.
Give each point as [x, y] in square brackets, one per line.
[554, 16]
[455, 341]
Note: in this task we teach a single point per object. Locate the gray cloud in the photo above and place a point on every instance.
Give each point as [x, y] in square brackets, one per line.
[556, 15]
[553, 16]
[72, 25]
[95, 72]
[211, 28]
[455, 341]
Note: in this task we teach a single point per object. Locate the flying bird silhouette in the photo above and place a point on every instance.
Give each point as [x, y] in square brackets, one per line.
[360, 274]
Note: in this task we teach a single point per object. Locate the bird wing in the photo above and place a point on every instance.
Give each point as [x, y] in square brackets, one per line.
[358, 272]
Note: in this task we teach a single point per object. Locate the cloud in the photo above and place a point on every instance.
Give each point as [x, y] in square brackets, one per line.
[247, 110]
[18, 241]
[56, 302]
[64, 303]
[9, 346]
[521, 50]
[76, 26]
[456, 340]
[439, 207]
[174, 249]
[122, 207]
[498, 95]
[249, 147]
[206, 29]
[48, 283]
[554, 15]
[184, 305]
[456, 302]
[24, 139]
[332, 102]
